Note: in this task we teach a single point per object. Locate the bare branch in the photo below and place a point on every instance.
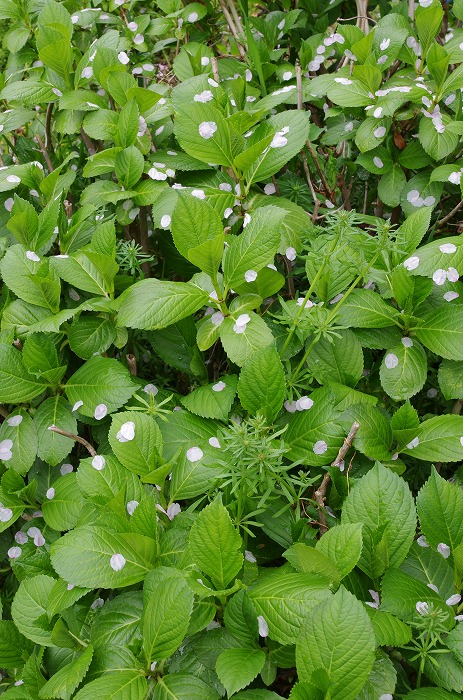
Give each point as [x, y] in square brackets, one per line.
[76, 438]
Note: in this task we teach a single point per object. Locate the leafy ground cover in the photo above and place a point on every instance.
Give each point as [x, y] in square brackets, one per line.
[231, 350]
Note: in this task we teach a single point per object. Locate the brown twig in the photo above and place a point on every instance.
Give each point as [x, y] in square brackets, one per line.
[144, 239]
[457, 406]
[313, 153]
[48, 139]
[443, 221]
[215, 69]
[88, 142]
[233, 28]
[320, 493]
[132, 364]
[4, 412]
[45, 153]
[76, 438]
[237, 20]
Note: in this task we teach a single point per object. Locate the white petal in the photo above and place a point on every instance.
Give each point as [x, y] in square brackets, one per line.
[414, 443]
[422, 607]
[439, 277]
[378, 162]
[50, 493]
[204, 96]
[243, 319]
[269, 188]
[263, 626]
[21, 537]
[220, 386]
[291, 253]
[173, 510]
[66, 469]
[320, 447]
[194, 454]
[14, 552]
[454, 599]
[250, 275]
[391, 360]
[433, 587]
[304, 403]
[411, 263]
[77, 405]
[207, 129]
[422, 542]
[213, 442]
[450, 296]
[117, 562]
[249, 556]
[151, 389]
[30, 255]
[448, 248]
[452, 275]
[98, 462]
[123, 58]
[165, 221]
[217, 318]
[127, 430]
[14, 421]
[5, 515]
[407, 342]
[131, 505]
[199, 194]
[443, 549]
[100, 411]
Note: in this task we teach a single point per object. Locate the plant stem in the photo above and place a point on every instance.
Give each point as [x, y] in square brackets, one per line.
[76, 438]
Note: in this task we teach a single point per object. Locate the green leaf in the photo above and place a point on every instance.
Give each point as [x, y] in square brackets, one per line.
[348, 92]
[87, 270]
[343, 545]
[261, 386]
[118, 685]
[284, 601]
[14, 647]
[215, 545]
[428, 23]
[182, 686]
[439, 504]
[129, 166]
[32, 280]
[437, 145]
[63, 683]
[389, 630]
[382, 501]
[83, 557]
[24, 438]
[400, 594]
[99, 381]
[91, 335]
[438, 439]
[403, 370]
[192, 478]
[29, 609]
[337, 359]
[255, 247]
[127, 125]
[140, 454]
[364, 308]
[197, 231]
[62, 511]
[240, 618]
[288, 131]
[382, 678]
[427, 565]
[119, 622]
[441, 331]
[308, 429]
[391, 185]
[242, 345]
[166, 618]
[430, 694]
[236, 668]
[214, 400]
[337, 639]
[450, 377]
[152, 304]
[309, 560]
[215, 143]
[54, 448]
[16, 384]
[412, 231]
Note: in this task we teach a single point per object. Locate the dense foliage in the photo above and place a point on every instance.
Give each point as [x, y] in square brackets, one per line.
[231, 350]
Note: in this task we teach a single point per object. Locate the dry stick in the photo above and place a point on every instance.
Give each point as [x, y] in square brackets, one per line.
[88, 142]
[4, 412]
[320, 493]
[304, 157]
[76, 438]
[132, 364]
[457, 406]
[443, 221]
[411, 9]
[144, 240]
[45, 153]
[215, 69]
[233, 29]
[48, 140]
[237, 18]
[313, 153]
